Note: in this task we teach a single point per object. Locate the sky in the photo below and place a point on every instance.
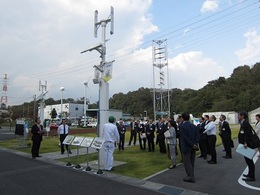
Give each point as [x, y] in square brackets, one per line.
[42, 41]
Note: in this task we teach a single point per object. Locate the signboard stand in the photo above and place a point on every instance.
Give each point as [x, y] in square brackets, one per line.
[67, 141]
[68, 163]
[78, 165]
[77, 142]
[20, 130]
[98, 143]
[99, 170]
[87, 143]
[88, 167]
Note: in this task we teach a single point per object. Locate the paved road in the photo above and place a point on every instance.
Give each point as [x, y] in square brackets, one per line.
[23, 175]
[222, 178]
[7, 133]
[19, 174]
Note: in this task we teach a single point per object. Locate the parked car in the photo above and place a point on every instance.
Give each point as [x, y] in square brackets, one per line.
[54, 126]
[92, 124]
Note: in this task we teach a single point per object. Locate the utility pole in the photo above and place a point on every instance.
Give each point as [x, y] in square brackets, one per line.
[85, 102]
[42, 88]
[103, 73]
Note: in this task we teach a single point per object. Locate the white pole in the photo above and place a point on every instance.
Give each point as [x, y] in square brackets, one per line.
[85, 89]
[61, 101]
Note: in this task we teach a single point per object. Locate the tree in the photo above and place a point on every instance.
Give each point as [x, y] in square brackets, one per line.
[53, 113]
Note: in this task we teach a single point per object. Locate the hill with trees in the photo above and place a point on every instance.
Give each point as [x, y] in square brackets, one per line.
[241, 91]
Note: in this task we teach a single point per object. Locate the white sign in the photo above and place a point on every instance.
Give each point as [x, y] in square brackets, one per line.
[98, 143]
[77, 141]
[68, 139]
[107, 71]
[87, 142]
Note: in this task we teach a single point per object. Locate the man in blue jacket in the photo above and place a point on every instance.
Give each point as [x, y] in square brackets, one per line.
[189, 138]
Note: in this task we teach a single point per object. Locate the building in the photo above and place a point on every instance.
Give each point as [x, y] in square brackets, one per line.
[69, 110]
[231, 116]
[251, 115]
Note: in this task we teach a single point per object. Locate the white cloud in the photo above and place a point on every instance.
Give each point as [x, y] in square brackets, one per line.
[210, 5]
[250, 54]
[47, 36]
[193, 70]
[186, 31]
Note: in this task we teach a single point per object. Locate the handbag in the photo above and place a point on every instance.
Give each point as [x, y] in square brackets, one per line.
[254, 140]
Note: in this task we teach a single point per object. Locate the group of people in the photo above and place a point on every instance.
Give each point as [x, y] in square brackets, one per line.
[190, 137]
[37, 134]
[208, 137]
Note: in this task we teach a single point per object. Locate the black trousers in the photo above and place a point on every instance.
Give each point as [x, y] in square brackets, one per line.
[203, 147]
[35, 148]
[132, 135]
[162, 146]
[251, 167]
[121, 142]
[212, 147]
[189, 161]
[150, 143]
[142, 142]
[62, 138]
[227, 145]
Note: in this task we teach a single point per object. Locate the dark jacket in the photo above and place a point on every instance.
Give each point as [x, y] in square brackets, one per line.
[189, 135]
[201, 127]
[121, 130]
[141, 128]
[162, 128]
[225, 131]
[135, 126]
[36, 136]
[245, 133]
[150, 129]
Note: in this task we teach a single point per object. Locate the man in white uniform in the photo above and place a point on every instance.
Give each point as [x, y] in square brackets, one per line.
[110, 134]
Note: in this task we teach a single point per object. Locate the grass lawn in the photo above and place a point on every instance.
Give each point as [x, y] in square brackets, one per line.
[140, 164]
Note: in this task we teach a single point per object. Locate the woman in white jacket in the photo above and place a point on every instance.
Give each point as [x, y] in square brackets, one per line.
[171, 140]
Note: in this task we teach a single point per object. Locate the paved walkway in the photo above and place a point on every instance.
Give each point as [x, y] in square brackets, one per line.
[222, 178]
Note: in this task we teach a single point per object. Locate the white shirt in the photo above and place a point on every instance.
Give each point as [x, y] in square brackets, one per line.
[110, 133]
[210, 128]
[60, 129]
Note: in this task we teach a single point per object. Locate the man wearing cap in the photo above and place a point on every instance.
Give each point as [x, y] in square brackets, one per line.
[110, 134]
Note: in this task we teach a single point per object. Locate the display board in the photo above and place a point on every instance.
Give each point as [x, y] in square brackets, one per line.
[77, 141]
[68, 140]
[87, 142]
[98, 143]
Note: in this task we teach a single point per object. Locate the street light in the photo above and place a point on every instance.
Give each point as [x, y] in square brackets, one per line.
[85, 89]
[61, 101]
[145, 114]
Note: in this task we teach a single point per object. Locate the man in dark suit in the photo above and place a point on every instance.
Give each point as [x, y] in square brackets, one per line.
[121, 130]
[161, 129]
[141, 135]
[244, 137]
[37, 132]
[150, 129]
[133, 131]
[189, 137]
[225, 134]
[203, 138]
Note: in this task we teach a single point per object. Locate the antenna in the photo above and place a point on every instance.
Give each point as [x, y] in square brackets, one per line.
[39, 85]
[112, 21]
[95, 23]
[45, 85]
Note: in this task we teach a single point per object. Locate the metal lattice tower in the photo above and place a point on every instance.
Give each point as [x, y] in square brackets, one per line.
[161, 96]
[4, 90]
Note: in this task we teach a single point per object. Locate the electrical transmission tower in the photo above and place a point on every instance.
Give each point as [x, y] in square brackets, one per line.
[161, 96]
[4, 91]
